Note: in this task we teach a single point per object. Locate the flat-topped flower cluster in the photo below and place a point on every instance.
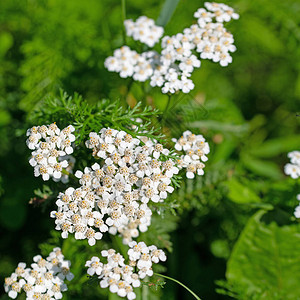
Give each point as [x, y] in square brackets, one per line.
[44, 280]
[195, 150]
[51, 148]
[144, 30]
[114, 197]
[172, 68]
[293, 169]
[121, 278]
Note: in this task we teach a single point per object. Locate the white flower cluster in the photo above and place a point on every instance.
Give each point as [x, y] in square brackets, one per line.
[51, 148]
[218, 11]
[114, 197]
[293, 169]
[122, 278]
[43, 281]
[195, 149]
[297, 209]
[144, 30]
[172, 68]
[128, 63]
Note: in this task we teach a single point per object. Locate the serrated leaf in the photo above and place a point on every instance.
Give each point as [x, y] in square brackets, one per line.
[265, 262]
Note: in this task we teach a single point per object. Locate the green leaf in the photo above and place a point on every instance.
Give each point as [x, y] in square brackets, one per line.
[277, 146]
[265, 262]
[112, 296]
[166, 12]
[240, 193]
[264, 35]
[6, 42]
[224, 150]
[261, 167]
[5, 117]
[12, 213]
[221, 127]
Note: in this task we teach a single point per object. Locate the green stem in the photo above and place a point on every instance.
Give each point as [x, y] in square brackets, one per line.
[118, 244]
[123, 4]
[166, 108]
[64, 171]
[129, 88]
[145, 293]
[167, 277]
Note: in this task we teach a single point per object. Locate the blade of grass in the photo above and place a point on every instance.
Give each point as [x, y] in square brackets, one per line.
[166, 12]
[123, 4]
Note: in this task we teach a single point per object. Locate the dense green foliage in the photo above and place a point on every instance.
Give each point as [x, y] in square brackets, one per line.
[231, 233]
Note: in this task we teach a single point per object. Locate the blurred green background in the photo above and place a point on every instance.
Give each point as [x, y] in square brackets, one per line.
[246, 111]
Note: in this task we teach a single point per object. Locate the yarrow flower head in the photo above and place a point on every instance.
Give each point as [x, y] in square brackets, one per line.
[195, 150]
[144, 30]
[172, 68]
[114, 197]
[297, 209]
[293, 169]
[221, 12]
[128, 63]
[121, 278]
[44, 280]
[51, 151]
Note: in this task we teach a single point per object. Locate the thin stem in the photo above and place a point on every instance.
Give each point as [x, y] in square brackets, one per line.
[129, 88]
[167, 277]
[64, 171]
[145, 292]
[166, 108]
[123, 4]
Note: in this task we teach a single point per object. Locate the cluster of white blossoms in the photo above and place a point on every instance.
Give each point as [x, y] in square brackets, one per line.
[128, 63]
[114, 197]
[43, 281]
[51, 148]
[121, 278]
[144, 30]
[172, 68]
[293, 169]
[195, 150]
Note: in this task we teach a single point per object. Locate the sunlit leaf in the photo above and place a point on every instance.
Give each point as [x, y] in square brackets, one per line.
[240, 193]
[265, 262]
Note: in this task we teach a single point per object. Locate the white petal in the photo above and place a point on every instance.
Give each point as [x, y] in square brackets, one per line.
[78, 174]
[92, 242]
[57, 174]
[70, 276]
[98, 235]
[190, 175]
[91, 271]
[64, 234]
[12, 294]
[46, 176]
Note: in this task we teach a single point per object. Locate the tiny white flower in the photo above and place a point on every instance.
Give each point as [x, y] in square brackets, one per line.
[292, 170]
[95, 266]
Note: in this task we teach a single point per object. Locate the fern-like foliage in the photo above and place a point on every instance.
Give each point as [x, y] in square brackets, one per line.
[87, 117]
